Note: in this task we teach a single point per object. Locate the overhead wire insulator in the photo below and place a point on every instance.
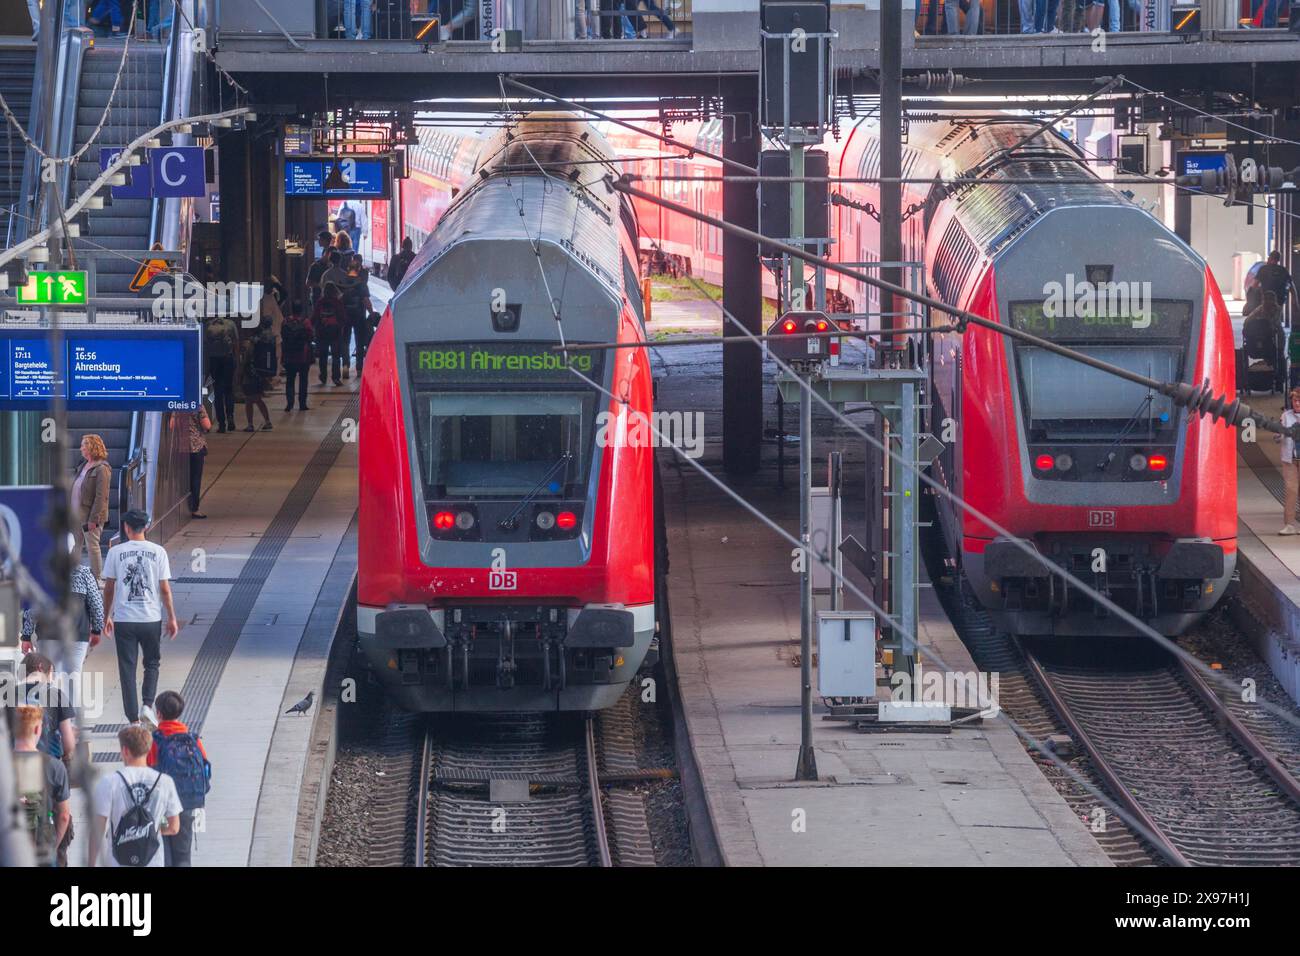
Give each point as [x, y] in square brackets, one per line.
[1234, 413]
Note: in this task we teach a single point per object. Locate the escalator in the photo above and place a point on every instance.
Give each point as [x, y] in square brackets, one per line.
[17, 76]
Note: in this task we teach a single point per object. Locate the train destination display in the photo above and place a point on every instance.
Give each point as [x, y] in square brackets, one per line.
[156, 370]
[362, 178]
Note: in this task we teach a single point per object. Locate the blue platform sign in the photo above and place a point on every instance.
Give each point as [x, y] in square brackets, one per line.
[1194, 163]
[24, 511]
[178, 171]
[103, 369]
[137, 177]
[363, 178]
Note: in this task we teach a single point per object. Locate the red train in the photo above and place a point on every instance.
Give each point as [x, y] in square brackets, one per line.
[1127, 491]
[506, 524]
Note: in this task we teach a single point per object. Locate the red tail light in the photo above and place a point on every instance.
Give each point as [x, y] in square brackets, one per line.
[566, 520]
[1044, 462]
[1157, 462]
[444, 520]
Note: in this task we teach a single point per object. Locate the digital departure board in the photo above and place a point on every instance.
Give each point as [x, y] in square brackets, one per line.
[1129, 318]
[362, 178]
[155, 370]
[463, 363]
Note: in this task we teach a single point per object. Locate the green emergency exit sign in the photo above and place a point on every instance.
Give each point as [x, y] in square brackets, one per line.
[53, 288]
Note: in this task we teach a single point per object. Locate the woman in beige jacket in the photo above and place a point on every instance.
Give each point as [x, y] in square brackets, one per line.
[90, 497]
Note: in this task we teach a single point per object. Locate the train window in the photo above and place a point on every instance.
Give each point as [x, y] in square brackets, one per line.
[506, 444]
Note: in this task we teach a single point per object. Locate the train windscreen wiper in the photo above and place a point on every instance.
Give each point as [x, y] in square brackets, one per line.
[1109, 455]
[511, 521]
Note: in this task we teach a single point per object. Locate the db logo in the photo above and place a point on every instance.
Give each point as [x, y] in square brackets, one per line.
[502, 580]
[1101, 519]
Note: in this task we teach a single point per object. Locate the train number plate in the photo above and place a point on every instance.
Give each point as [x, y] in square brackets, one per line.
[1101, 518]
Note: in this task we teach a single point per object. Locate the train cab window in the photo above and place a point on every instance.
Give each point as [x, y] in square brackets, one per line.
[1069, 406]
[505, 444]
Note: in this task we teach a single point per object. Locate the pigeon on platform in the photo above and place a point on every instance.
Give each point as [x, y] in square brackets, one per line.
[303, 705]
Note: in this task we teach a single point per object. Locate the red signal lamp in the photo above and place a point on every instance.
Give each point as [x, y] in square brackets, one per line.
[788, 326]
[1044, 462]
[566, 520]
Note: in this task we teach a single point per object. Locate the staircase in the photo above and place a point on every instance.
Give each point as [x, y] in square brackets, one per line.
[17, 75]
[122, 224]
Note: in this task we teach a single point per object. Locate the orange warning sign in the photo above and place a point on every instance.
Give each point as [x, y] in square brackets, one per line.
[149, 270]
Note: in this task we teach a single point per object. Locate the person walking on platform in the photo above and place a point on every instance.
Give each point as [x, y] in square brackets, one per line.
[138, 590]
[327, 319]
[143, 799]
[256, 369]
[296, 352]
[1290, 464]
[179, 753]
[198, 426]
[401, 262]
[68, 658]
[355, 293]
[316, 271]
[90, 498]
[221, 346]
[47, 811]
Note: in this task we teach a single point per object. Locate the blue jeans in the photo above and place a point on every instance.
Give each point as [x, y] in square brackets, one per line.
[109, 9]
[951, 9]
[1027, 17]
[638, 23]
[158, 16]
[1045, 15]
[352, 10]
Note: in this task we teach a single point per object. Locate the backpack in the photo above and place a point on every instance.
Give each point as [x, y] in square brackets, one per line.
[181, 759]
[135, 838]
[217, 340]
[354, 295]
[38, 815]
[296, 341]
[264, 356]
[330, 321]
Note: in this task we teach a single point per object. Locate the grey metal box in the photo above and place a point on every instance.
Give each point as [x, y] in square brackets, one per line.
[846, 654]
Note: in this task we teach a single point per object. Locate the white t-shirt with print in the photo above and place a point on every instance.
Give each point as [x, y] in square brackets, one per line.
[112, 801]
[137, 567]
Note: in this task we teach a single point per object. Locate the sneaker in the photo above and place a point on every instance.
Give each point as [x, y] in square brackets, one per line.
[337, 382]
[288, 408]
[250, 428]
[198, 515]
[672, 33]
[267, 427]
[1289, 529]
[303, 408]
[148, 716]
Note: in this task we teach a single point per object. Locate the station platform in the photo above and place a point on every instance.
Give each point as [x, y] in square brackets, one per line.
[1268, 563]
[972, 797]
[259, 587]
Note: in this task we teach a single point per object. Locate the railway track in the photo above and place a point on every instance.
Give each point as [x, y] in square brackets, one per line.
[1179, 760]
[525, 790]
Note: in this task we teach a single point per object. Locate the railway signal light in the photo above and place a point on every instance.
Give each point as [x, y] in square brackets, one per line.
[444, 520]
[801, 347]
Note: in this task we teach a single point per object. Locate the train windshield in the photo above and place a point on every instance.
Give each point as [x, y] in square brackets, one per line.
[1067, 401]
[505, 444]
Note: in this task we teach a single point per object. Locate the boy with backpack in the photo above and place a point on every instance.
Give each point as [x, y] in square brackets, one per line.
[134, 808]
[179, 753]
[45, 810]
[296, 350]
[327, 319]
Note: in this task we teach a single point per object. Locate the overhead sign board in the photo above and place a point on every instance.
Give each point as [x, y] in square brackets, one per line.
[297, 140]
[363, 178]
[165, 172]
[102, 369]
[53, 288]
[1193, 163]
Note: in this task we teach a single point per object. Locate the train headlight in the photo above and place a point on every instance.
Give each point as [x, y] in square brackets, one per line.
[1138, 462]
[1044, 462]
[545, 520]
[464, 520]
[1064, 462]
[1157, 462]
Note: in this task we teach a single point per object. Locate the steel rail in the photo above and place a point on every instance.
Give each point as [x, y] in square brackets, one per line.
[1163, 845]
[597, 802]
[421, 835]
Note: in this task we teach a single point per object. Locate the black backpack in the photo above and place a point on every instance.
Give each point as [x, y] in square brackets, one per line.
[264, 356]
[135, 838]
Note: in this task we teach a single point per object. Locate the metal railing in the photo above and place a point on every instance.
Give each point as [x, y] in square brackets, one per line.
[1063, 17]
[441, 20]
